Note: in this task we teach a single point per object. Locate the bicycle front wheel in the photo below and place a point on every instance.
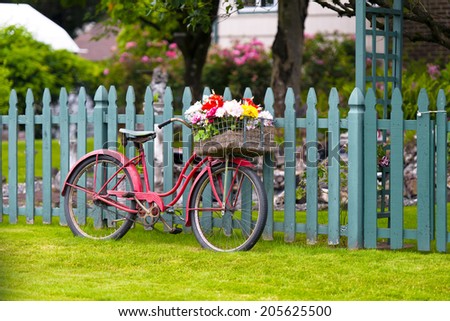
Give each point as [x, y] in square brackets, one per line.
[90, 217]
[228, 209]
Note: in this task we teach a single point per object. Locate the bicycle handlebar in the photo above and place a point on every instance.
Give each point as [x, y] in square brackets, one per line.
[171, 120]
[167, 122]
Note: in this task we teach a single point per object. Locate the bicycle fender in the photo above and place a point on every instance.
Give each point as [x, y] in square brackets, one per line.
[238, 161]
[135, 177]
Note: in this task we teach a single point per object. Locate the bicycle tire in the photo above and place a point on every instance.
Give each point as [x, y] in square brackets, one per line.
[240, 225]
[92, 218]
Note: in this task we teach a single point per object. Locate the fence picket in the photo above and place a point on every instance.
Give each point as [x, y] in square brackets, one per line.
[268, 174]
[13, 208]
[334, 168]
[100, 109]
[311, 168]
[396, 172]
[227, 94]
[130, 118]
[81, 150]
[289, 165]
[187, 143]
[30, 157]
[168, 141]
[370, 171]
[64, 143]
[47, 208]
[112, 119]
[424, 165]
[441, 173]
[81, 123]
[149, 124]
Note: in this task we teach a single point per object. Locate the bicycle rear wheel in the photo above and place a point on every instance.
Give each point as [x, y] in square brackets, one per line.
[229, 209]
[93, 218]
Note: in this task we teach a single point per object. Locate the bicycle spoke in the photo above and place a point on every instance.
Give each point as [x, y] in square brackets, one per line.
[90, 210]
[239, 222]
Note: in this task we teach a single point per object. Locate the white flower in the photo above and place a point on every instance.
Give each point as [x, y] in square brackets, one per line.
[265, 115]
[233, 108]
[266, 118]
[220, 112]
[193, 111]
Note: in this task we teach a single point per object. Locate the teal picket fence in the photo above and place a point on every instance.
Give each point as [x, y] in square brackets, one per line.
[358, 224]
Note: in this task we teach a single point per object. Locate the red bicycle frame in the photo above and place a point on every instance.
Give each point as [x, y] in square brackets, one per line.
[144, 193]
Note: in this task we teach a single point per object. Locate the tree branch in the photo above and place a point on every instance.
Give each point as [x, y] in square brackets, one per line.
[436, 31]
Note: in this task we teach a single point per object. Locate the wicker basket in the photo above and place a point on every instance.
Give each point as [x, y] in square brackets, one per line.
[236, 139]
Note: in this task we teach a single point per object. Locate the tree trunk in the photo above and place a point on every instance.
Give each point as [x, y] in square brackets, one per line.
[194, 45]
[287, 50]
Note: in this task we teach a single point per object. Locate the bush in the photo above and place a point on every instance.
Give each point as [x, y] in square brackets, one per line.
[5, 89]
[328, 62]
[430, 76]
[135, 59]
[243, 65]
[29, 64]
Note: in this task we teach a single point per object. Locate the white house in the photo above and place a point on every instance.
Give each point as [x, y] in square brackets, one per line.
[258, 19]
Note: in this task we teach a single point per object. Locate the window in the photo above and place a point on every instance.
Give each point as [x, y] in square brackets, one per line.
[259, 3]
[259, 6]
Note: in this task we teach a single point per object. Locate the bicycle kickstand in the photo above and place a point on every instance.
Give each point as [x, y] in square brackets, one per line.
[172, 230]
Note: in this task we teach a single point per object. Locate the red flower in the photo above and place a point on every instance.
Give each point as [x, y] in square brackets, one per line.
[213, 101]
[249, 102]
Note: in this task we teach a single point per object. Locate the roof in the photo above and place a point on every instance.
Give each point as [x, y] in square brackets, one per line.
[42, 28]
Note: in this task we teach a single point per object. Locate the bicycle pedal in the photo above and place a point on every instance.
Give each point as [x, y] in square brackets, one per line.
[176, 230]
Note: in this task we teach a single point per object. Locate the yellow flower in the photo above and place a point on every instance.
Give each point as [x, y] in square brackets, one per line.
[249, 111]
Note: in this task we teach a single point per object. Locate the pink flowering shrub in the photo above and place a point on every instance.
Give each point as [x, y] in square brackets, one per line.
[134, 60]
[245, 64]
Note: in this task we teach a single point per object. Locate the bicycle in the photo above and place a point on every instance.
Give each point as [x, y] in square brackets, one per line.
[104, 196]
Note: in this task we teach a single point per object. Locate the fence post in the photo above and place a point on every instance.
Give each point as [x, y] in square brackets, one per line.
[30, 156]
[355, 170]
[441, 174]
[396, 173]
[13, 210]
[289, 165]
[100, 108]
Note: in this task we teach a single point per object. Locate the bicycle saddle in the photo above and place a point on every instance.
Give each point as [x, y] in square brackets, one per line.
[137, 136]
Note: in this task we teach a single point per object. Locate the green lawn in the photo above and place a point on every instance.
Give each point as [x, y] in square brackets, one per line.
[21, 158]
[45, 262]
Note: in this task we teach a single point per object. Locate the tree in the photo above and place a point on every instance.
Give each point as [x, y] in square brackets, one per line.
[69, 14]
[287, 50]
[438, 28]
[28, 64]
[187, 23]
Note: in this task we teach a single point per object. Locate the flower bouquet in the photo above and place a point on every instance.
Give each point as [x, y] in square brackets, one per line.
[230, 127]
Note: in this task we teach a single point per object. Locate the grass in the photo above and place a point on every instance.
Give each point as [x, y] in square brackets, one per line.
[21, 157]
[45, 262]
